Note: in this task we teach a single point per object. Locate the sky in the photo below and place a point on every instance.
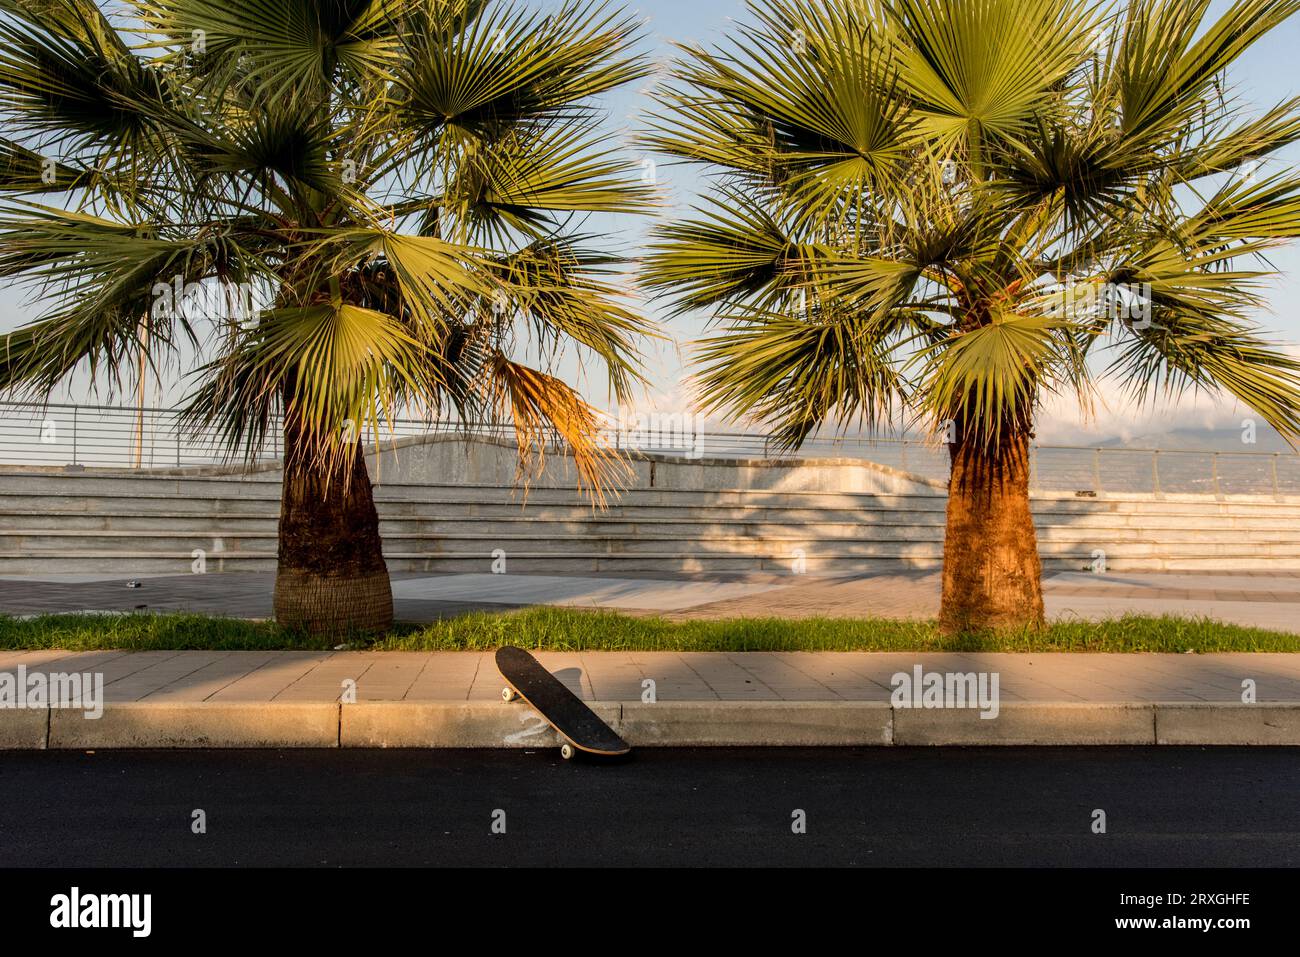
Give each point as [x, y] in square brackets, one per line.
[1264, 77]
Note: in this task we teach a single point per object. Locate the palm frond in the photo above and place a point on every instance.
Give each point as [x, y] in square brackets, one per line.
[987, 380]
[488, 69]
[543, 410]
[792, 372]
[557, 289]
[335, 369]
[910, 190]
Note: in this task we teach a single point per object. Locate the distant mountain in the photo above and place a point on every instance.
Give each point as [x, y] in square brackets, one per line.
[1212, 440]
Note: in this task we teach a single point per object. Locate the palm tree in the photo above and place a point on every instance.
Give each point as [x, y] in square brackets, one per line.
[940, 211]
[399, 184]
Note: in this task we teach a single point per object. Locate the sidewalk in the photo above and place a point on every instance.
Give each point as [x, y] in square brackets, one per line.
[452, 699]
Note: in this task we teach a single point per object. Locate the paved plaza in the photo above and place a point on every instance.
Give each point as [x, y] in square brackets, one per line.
[1260, 599]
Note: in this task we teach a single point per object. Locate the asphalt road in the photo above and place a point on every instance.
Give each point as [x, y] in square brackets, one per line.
[878, 807]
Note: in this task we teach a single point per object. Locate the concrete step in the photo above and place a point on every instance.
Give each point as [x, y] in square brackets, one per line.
[51, 544]
[490, 522]
[136, 523]
[101, 493]
[201, 502]
[125, 565]
[92, 485]
[440, 536]
[94, 522]
[795, 508]
[91, 482]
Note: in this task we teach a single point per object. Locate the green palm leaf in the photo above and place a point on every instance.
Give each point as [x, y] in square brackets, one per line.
[382, 174]
[913, 195]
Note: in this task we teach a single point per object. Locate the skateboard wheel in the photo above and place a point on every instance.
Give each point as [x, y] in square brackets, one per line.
[509, 694]
[566, 751]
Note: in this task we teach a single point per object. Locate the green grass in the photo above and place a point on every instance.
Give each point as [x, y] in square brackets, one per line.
[569, 630]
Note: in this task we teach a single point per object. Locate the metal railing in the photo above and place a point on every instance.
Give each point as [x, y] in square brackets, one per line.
[101, 436]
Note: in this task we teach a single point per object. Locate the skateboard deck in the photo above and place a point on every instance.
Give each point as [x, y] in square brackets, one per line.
[562, 709]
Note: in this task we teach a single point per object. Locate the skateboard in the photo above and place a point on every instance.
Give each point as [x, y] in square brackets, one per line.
[564, 711]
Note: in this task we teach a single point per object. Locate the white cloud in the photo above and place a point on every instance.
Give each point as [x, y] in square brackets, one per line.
[1116, 416]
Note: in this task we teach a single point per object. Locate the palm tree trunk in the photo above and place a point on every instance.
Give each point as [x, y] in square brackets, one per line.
[992, 575]
[331, 576]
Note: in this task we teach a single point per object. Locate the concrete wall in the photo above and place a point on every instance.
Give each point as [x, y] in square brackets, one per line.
[453, 461]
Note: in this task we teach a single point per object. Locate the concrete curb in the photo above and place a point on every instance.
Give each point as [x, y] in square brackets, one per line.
[24, 729]
[1022, 723]
[490, 724]
[203, 724]
[756, 723]
[1244, 724]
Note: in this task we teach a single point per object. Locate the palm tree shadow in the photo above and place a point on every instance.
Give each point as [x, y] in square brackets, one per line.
[571, 678]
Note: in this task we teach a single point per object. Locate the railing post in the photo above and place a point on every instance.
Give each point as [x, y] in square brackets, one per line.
[74, 434]
[1155, 474]
[1277, 488]
[1214, 474]
[1096, 470]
